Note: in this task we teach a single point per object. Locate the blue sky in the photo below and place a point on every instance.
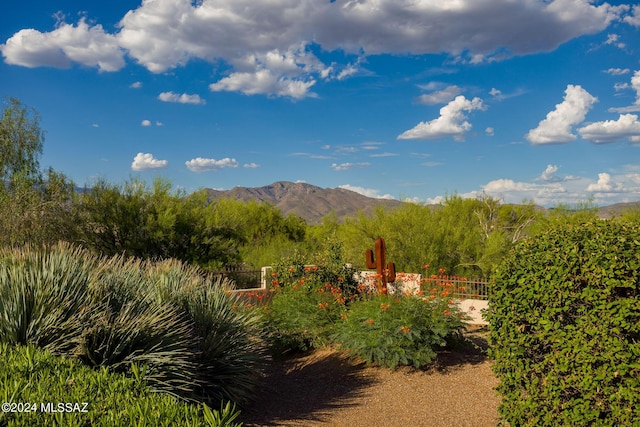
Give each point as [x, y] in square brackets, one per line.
[525, 99]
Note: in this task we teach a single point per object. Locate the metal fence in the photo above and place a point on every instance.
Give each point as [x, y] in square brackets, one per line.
[243, 278]
[460, 287]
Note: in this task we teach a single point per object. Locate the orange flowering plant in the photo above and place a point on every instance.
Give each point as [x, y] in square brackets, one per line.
[307, 301]
[399, 329]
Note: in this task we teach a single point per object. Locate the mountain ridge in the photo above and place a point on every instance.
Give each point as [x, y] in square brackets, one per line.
[312, 202]
[306, 200]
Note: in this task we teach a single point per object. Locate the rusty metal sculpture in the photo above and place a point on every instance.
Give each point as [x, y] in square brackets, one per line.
[386, 271]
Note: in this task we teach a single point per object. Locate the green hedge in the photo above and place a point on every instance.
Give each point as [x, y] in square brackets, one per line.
[95, 398]
[565, 327]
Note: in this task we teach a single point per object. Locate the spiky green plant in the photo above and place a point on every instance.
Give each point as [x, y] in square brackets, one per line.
[195, 339]
[232, 356]
[231, 353]
[43, 295]
[30, 376]
[129, 325]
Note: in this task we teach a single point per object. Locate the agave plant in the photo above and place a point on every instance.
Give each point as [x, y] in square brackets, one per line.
[43, 296]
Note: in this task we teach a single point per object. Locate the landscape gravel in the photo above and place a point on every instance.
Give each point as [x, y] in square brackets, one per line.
[327, 388]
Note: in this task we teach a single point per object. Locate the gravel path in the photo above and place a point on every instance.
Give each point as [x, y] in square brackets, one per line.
[326, 388]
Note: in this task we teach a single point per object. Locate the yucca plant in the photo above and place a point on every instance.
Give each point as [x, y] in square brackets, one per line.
[129, 325]
[43, 295]
[195, 339]
[231, 354]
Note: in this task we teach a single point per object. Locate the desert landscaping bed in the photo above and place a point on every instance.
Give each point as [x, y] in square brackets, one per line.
[327, 388]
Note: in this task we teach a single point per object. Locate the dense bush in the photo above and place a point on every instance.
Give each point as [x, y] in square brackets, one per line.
[308, 300]
[310, 293]
[42, 380]
[315, 305]
[465, 236]
[565, 327]
[399, 330]
[195, 339]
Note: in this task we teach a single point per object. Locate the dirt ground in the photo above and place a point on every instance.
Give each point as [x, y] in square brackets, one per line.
[327, 388]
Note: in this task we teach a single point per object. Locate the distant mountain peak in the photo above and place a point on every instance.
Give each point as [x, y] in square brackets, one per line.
[306, 200]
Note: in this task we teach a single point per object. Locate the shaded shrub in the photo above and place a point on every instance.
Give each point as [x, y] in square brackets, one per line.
[565, 327]
[303, 315]
[307, 302]
[28, 374]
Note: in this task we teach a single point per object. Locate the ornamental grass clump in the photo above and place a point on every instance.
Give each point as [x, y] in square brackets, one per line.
[128, 325]
[230, 351]
[565, 327]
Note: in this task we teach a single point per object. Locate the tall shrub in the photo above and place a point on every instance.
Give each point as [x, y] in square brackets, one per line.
[565, 327]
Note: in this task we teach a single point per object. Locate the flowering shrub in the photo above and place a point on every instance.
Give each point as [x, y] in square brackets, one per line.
[307, 301]
[399, 330]
[313, 305]
[302, 315]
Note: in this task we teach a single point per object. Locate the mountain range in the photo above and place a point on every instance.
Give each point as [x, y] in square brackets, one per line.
[305, 200]
[312, 202]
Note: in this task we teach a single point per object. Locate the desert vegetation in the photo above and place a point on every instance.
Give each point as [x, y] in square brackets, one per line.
[111, 288]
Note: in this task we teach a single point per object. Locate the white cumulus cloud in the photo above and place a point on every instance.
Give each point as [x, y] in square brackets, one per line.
[604, 184]
[452, 121]
[146, 161]
[165, 34]
[558, 125]
[440, 96]
[627, 126]
[369, 192]
[81, 43]
[200, 164]
[634, 17]
[287, 73]
[263, 82]
[635, 85]
[181, 98]
[549, 173]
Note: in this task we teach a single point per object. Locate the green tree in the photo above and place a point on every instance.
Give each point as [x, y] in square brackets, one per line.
[21, 140]
[153, 222]
[35, 205]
